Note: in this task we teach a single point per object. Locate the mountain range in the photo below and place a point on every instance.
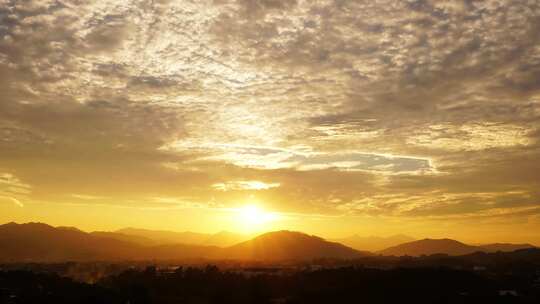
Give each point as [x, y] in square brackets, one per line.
[37, 242]
[159, 237]
[447, 246]
[283, 245]
[374, 243]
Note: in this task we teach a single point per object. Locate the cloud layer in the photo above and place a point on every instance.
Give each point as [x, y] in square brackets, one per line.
[406, 109]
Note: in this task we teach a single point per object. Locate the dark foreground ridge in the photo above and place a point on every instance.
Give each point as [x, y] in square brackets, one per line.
[210, 285]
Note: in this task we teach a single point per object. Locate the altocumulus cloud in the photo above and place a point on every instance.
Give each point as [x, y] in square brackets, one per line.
[348, 106]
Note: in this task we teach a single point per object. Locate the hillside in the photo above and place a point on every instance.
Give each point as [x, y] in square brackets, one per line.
[505, 247]
[449, 247]
[36, 242]
[125, 238]
[374, 243]
[225, 239]
[289, 245]
[430, 246]
[44, 243]
[162, 237]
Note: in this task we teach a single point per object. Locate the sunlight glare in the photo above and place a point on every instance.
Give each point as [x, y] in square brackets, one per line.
[253, 217]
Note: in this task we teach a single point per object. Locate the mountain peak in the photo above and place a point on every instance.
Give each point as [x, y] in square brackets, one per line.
[374, 243]
[290, 245]
[429, 246]
[28, 225]
[287, 233]
[69, 228]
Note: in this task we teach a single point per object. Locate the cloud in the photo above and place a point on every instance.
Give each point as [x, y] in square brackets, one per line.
[12, 200]
[87, 197]
[386, 108]
[364, 161]
[263, 157]
[12, 189]
[479, 136]
[10, 183]
[244, 185]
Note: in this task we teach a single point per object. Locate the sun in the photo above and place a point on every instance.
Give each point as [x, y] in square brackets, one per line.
[252, 217]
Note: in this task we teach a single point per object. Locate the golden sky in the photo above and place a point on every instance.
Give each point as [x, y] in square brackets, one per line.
[332, 117]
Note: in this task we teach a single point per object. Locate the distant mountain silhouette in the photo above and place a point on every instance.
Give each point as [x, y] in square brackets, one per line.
[447, 246]
[44, 243]
[374, 243]
[220, 239]
[289, 245]
[140, 240]
[224, 239]
[430, 246]
[504, 247]
[36, 242]
[166, 237]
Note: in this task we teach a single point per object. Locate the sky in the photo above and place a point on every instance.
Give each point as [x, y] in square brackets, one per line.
[330, 117]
